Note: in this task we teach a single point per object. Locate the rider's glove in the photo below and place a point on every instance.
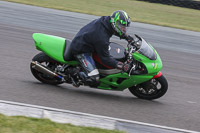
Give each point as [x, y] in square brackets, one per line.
[126, 37]
[120, 65]
[123, 66]
[130, 39]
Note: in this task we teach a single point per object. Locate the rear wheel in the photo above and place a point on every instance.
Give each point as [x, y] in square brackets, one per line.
[49, 63]
[153, 89]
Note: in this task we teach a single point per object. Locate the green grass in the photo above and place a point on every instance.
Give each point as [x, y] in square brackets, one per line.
[20, 124]
[145, 12]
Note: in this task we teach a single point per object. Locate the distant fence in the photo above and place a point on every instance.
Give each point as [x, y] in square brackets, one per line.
[194, 4]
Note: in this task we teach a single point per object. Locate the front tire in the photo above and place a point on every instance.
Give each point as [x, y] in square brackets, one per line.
[50, 64]
[153, 89]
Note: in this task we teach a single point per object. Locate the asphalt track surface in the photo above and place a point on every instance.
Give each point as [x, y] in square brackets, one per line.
[179, 50]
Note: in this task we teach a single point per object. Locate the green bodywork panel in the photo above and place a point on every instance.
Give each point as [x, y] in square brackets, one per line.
[53, 46]
[153, 66]
[121, 81]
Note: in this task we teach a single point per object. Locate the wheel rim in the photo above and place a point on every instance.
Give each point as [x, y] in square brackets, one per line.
[150, 89]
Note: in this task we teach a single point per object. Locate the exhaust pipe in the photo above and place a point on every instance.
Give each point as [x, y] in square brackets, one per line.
[37, 66]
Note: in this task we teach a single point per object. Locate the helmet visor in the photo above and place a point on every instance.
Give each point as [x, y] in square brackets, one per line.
[122, 28]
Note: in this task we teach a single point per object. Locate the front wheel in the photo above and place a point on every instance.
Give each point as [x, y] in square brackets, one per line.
[153, 89]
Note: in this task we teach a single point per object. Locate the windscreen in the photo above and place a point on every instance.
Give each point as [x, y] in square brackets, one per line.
[146, 50]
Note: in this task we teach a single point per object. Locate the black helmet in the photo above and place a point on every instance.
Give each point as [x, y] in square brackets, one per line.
[120, 21]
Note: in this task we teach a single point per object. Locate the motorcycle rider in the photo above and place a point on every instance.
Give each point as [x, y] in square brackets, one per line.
[94, 37]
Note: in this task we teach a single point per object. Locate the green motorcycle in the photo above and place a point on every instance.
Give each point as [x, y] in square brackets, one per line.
[143, 77]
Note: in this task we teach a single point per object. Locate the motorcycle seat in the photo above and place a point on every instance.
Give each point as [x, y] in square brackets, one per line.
[67, 52]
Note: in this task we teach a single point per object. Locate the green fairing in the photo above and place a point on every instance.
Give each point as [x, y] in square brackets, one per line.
[53, 46]
[122, 81]
[152, 69]
[112, 82]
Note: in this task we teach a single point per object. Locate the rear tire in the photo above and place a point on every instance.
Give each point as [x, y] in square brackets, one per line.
[153, 89]
[50, 64]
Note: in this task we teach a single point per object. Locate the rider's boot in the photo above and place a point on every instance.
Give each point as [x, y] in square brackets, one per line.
[92, 81]
[89, 74]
